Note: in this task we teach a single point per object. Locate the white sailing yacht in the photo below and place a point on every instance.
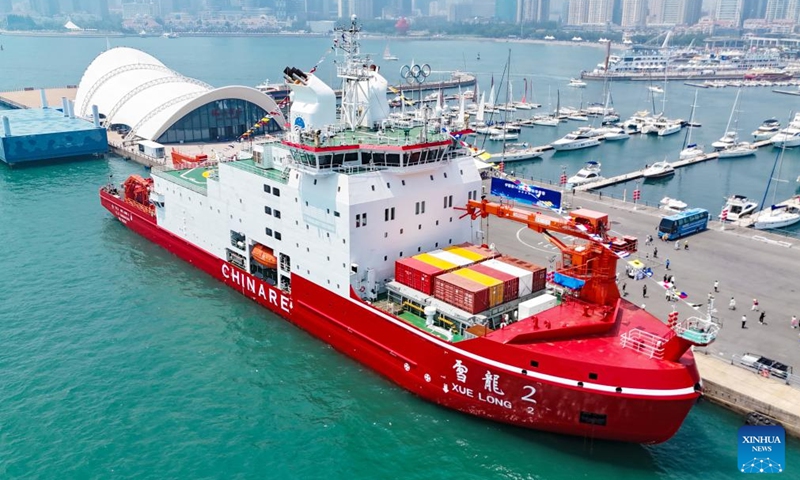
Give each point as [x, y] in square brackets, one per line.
[690, 150]
[387, 55]
[730, 137]
[778, 215]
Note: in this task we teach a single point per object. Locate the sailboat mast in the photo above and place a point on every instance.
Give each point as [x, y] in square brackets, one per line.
[778, 160]
[688, 136]
[730, 118]
[508, 102]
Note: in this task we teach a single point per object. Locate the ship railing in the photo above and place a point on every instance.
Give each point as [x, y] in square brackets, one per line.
[700, 331]
[644, 342]
[271, 173]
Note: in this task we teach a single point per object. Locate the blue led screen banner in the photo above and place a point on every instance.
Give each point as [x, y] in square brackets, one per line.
[522, 192]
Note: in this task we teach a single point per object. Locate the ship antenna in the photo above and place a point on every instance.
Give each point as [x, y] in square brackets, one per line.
[354, 72]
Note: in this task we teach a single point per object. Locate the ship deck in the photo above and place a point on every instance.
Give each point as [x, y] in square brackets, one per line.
[584, 336]
[196, 178]
[389, 137]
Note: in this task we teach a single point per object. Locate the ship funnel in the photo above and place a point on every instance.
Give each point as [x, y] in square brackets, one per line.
[6, 127]
[64, 106]
[71, 105]
[96, 116]
[43, 96]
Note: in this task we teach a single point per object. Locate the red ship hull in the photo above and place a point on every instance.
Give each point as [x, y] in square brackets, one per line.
[476, 376]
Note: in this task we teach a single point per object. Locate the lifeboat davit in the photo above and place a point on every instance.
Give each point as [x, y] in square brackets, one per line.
[264, 256]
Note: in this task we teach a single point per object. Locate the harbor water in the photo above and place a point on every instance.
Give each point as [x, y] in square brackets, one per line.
[121, 361]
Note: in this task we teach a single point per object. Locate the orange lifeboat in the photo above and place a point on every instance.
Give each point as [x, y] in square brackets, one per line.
[179, 158]
[264, 256]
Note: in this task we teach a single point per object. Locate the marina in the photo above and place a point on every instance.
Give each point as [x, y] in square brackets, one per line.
[252, 355]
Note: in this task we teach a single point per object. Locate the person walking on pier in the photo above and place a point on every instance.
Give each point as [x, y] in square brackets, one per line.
[624, 293]
[732, 305]
[754, 308]
[761, 318]
[686, 244]
[644, 290]
[655, 252]
[677, 244]
[667, 264]
[744, 321]
[716, 286]
[794, 321]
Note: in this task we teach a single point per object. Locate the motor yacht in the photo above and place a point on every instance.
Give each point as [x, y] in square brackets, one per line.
[589, 173]
[789, 136]
[516, 155]
[767, 130]
[578, 83]
[738, 206]
[672, 204]
[575, 141]
[728, 140]
[659, 170]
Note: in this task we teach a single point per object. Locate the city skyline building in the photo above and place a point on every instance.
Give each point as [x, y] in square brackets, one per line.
[729, 11]
[634, 13]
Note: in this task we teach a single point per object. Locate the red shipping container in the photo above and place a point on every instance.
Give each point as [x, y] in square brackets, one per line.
[461, 292]
[510, 282]
[539, 273]
[416, 274]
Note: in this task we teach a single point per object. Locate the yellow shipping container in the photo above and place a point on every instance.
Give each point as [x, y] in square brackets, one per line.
[436, 262]
[495, 286]
[479, 277]
[463, 252]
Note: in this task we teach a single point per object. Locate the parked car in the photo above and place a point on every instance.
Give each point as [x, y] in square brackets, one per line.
[760, 363]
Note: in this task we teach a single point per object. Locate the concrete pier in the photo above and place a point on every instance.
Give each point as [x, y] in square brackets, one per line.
[607, 182]
[32, 98]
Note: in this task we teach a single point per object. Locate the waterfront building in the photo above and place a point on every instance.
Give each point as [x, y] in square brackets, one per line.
[691, 11]
[754, 9]
[141, 97]
[506, 10]
[45, 8]
[578, 12]
[729, 11]
[775, 10]
[634, 13]
[599, 12]
[535, 11]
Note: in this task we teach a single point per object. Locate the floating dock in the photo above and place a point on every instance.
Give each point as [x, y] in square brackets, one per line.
[31, 135]
[625, 177]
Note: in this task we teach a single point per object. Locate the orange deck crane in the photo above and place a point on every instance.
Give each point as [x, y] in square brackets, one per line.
[594, 262]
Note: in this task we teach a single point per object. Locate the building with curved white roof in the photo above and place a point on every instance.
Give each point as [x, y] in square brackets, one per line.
[133, 89]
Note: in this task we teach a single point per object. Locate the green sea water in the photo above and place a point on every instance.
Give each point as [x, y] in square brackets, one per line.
[121, 361]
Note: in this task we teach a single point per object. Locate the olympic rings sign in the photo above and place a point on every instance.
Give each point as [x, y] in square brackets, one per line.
[415, 73]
